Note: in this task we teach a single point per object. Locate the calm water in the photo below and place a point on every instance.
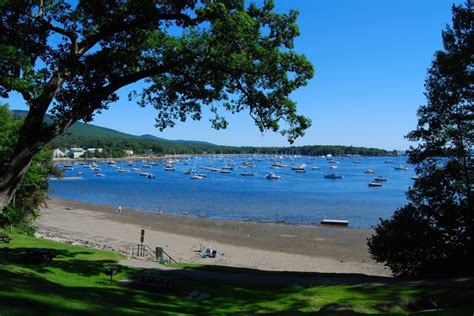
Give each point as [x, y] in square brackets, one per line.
[301, 198]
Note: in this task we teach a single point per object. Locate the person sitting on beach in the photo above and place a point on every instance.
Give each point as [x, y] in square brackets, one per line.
[119, 209]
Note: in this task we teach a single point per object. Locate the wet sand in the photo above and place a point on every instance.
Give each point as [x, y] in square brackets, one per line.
[262, 246]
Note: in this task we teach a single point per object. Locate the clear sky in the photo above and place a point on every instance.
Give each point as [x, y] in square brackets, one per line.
[370, 58]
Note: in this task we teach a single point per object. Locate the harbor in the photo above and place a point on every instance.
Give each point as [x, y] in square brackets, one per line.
[260, 188]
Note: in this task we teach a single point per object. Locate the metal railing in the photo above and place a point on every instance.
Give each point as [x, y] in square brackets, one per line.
[144, 251]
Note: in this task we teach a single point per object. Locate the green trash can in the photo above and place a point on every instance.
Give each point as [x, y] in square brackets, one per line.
[159, 254]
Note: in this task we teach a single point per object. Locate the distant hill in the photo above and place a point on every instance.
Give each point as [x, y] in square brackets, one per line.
[84, 130]
[114, 142]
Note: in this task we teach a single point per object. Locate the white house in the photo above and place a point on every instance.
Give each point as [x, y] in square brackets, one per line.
[95, 150]
[75, 152]
[57, 153]
[128, 152]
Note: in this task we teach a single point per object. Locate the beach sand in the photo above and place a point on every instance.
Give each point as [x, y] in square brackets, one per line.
[264, 246]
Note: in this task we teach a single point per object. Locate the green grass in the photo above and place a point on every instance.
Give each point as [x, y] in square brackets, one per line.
[75, 283]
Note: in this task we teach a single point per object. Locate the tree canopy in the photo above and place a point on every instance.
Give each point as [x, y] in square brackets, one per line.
[70, 58]
[434, 233]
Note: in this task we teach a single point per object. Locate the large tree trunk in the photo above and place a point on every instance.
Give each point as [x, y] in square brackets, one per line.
[12, 175]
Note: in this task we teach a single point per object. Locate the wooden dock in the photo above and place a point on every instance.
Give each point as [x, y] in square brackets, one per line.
[338, 222]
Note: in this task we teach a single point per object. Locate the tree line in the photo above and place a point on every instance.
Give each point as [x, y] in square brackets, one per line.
[113, 147]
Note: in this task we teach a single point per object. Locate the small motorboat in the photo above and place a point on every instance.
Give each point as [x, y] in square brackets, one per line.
[370, 171]
[300, 171]
[315, 168]
[401, 167]
[299, 167]
[170, 168]
[380, 179]
[196, 177]
[144, 174]
[150, 176]
[375, 184]
[247, 174]
[224, 170]
[272, 176]
[333, 176]
[99, 174]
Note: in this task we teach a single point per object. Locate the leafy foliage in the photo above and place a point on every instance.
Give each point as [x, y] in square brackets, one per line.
[191, 54]
[69, 59]
[32, 191]
[434, 233]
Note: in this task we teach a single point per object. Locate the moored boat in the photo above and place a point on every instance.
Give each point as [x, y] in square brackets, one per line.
[375, 184]
[401, 167]
[247, 174]
[333, 176]
[380, 179]
[272, 176]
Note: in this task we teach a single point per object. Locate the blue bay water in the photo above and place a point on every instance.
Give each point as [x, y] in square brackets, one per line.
[300, 198]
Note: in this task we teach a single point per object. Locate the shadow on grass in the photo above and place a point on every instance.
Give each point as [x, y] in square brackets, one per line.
[70, 284]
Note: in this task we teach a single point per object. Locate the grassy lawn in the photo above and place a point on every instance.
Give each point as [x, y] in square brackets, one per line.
[75, 283]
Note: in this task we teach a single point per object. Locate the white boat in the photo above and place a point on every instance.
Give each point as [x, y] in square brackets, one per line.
[315, 168]
[272, 176]
[278, 164]
[415, 177]
[224, 171]
[375, 184]
[144, 174]
[65, 178]
[247, 174]
[300, 167]
[357, 161]
[196, 177]
[135, 169]
[147, 165]
[150, 176]
[121, 170]
[333, 176]
[300, 171]
[333, 166]
[202, 175]
[380, 179]
[170, 168]
[401, 167]
[370, 171]
[99, 174]
[189, 171]
[111, 162]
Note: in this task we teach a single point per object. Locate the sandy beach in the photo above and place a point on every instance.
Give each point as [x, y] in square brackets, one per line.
[264, 246]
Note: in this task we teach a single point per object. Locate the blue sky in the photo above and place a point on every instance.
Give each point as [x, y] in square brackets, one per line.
[370, 58]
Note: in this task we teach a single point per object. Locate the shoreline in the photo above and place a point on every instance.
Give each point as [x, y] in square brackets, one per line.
[203, 217]
[265, 246]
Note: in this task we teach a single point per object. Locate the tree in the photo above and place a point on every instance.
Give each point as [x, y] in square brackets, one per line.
[32, 191]
[434, 233]
[69, 59]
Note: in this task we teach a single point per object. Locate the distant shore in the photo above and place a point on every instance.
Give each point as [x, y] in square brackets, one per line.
[242, 244]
